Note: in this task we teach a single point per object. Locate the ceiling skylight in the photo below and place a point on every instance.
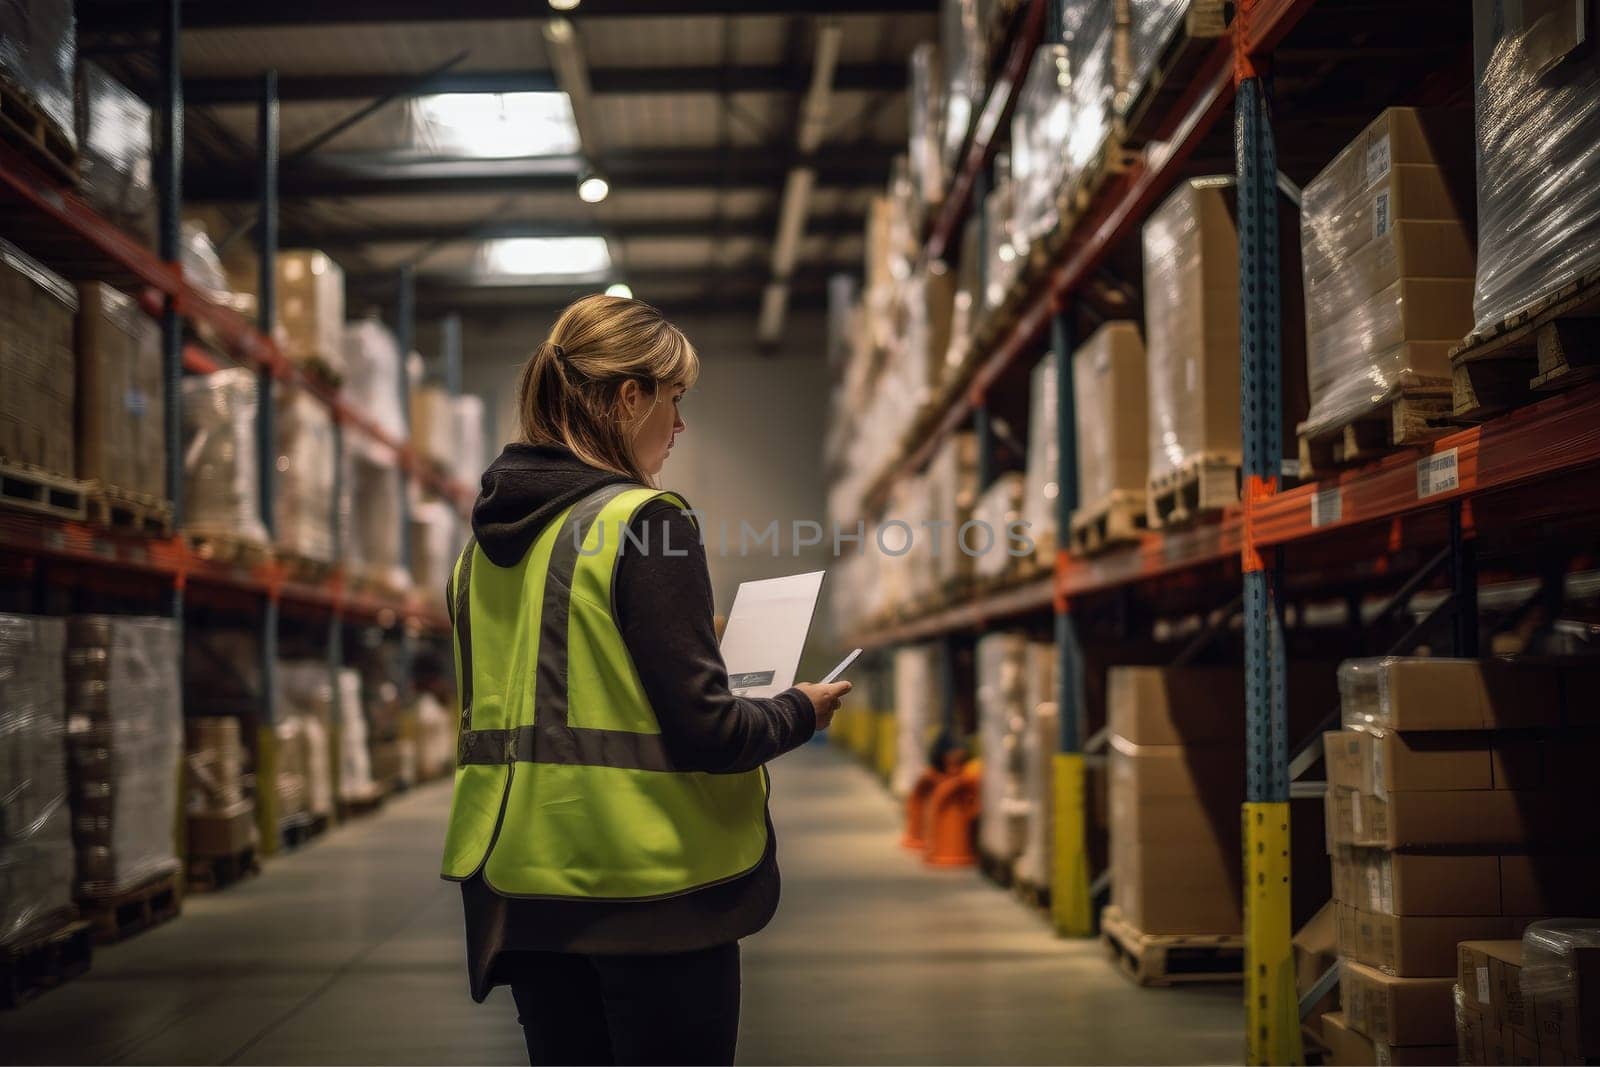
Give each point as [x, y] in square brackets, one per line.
[545, 258]
[496, 125]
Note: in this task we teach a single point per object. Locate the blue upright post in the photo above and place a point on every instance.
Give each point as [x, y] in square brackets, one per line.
[1271, 1006]
[450, 341]
[267, 285]
[171, 182]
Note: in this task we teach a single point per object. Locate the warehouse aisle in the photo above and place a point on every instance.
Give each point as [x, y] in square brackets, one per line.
[351, 952]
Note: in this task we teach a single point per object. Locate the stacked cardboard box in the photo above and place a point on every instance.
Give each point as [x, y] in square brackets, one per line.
[432, 425]
[1002, 716]
[38, 47]
[1559, 982]
[221, 480]
[917, 705]
[1042, 486]
[37, 310]
[307, 691]
[1109, 390]
[116, 141]
[1041, 739]
[125, 736]
[372, 536]
[221, 817]
[121, 403]
[1386, 236]
[310, 327]
[355, 761]
[303, 501]
[35, 823]
[1040, 126]
[996, 538]
[952, 487]
[1448, 820]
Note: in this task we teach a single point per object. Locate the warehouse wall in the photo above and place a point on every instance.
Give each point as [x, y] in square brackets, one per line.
[753, 448]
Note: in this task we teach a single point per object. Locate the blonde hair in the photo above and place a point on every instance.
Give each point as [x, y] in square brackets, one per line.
[570, 390]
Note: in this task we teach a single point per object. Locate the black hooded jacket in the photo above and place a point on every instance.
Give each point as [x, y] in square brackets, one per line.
[663, 605]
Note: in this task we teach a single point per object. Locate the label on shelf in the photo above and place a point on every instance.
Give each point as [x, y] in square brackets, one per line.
[1380, 216]
[1437, 474]
[1377, 159]
[1327, 507]
[1484, 993]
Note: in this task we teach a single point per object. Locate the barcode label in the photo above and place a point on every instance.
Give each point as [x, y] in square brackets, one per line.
[1327, 507]
[1380, 215]
[1378, 158]
[1437, 474]
[1483, 985]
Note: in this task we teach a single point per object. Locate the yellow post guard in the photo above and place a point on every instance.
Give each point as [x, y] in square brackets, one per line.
[1070, 906]
[1272, 1008]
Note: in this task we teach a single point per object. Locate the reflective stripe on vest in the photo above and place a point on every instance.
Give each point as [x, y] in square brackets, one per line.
[564, 787]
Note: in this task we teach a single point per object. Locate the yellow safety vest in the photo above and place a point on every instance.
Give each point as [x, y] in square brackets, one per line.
[564, 788]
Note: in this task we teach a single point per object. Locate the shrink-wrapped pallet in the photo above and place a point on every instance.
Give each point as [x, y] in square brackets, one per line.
[372, 536]
[355, 761]
[202, 266]
[961, 48]
[125, 734]
[1386, 241]
[925, 146]
[304, 501]
[1040, 127]
[38, 47]
[436, 738]
[1002, 718]
[1003, 249]
[917, 702]
[433, 425]
[221, 479]
[221, 818]
[372, 381]
[307, 692]
[1538, 121]
[36, 856]
[952, 483]
[121, 400]
[1152, 27]
[1091, 31]
[37, 310]
[1040, 741]
[996, 540]
[1041, 488]
[469, 461]
[310, 328]
[116, 140]
[435, 541]
[1109, 396]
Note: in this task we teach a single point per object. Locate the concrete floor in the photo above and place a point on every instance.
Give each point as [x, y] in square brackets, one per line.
[351, 951]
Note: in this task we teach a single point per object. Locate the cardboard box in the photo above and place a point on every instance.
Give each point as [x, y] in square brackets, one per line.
[1416, 946]
[37, 313]
[1490, 976]
[1409, 248]
[1176, 705]
[1496, 1044]
[1398, 1011]
[1408, 312]
[1524, 1050]
[1346, 1047]
[1108, 373]
[222, 833]
[1479, 818]
[1573, 1023]
[311, 309]
[1378, 762]
[121, 428]
[1394, 883]
[1471, 1049]
[1400, 693]
[1408, 191]
[1398, 136]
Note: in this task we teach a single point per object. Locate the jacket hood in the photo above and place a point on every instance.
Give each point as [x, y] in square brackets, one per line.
[523, 490]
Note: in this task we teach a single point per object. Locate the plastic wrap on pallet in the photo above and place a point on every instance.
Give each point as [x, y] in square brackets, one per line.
[1041, 487]
[372, 536]
[1040, 742]
[202, 266]
[116, 141]
[1002, 717]
[469, 460]
[925, 145]
[372, 383]
[1109, 390]
[121, 405]
[436, 539]
[918, 699]
[1151, 26]
[1538, 121]
[1040, 127]
[310, 328]
[38, 47]
[221, 479]
[303, 501]
[306, 691]
[36, 854]
[436, 738]
[1191, 257]
[355, 762]
[1089, 31]
[1003, 250]
[997, 510]
[433, 425]
[1386, 247]
[1552, 978]
[961, 47]
[125, 736]
[214, 765]
[37, 310]
[952, 482]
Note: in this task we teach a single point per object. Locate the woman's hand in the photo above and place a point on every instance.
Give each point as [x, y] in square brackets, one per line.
[825, 699]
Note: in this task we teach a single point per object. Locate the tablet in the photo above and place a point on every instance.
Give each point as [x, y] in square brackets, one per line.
[766, 632]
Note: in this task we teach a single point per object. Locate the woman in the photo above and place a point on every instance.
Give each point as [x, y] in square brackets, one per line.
[609, 826]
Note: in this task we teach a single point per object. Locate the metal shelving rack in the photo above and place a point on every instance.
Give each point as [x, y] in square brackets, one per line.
[1539, 463]
[49, 221]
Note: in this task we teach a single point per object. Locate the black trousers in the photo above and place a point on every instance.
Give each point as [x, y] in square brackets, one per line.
[677, 1009]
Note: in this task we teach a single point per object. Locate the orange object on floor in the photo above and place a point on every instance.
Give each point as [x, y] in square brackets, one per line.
[915, 836]
[952, 813]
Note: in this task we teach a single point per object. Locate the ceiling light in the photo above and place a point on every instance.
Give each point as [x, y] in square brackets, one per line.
[495, 125]
[593, 187]
[564, 5]
[620, 289]
[568, 258]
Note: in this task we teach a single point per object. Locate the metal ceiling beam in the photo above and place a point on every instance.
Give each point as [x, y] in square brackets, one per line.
[122, 16]
[606, 81]
[642, 229]
[760, 168]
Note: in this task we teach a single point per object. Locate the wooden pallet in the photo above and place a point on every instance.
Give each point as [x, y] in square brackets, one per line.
[301, 829]
[1117, 519]
[1034, 896]
[1173, 71]
[1110, 159]
[56, 951]
[995, 869]
[209, 874]
[1171, 959]
[119, 917]
[301, 568]
[25, 487]
[1552, 344]
[227, 548]
[123, 509]
[1412, 418]
[1200, 489]
[355, 806]
[24, 123]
